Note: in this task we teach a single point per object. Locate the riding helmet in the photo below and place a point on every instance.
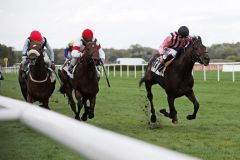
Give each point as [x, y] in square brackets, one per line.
[36, 36]
[183, 31]
[87, 35]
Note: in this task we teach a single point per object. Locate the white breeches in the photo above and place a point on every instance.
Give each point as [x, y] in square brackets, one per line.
[169, 51]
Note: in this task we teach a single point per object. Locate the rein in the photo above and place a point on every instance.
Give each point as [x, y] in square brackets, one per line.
[39, 81]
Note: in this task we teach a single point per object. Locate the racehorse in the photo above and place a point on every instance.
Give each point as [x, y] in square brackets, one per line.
[37, 86]
[84, 82]
[177, 80]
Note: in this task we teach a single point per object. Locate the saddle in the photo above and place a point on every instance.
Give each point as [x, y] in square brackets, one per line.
[50, 72]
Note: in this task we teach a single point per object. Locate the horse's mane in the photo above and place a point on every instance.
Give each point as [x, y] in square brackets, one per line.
[181, 51]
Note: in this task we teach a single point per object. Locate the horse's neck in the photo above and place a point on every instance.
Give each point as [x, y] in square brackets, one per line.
[39, 71]
[89, 70]
[185, 61]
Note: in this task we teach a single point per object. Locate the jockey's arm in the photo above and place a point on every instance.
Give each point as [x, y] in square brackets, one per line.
[102, 55]
[166, 43]
[66, 52]
[25, 47]
[50, 52]
[101, 52]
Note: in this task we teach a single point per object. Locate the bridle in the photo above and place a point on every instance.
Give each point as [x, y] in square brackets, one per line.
[88, 55]
[196, 58]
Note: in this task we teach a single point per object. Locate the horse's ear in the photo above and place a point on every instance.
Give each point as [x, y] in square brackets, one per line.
[199, 39]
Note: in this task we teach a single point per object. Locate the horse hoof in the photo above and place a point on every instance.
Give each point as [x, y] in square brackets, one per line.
[191, 117]
[91, 116]
[77, 117]
[174, 121]
[163, 111]
[84, 117]
[153, 118]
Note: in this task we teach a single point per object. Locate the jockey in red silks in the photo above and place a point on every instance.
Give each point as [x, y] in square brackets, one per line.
[48, 54]
[79, 45]
[172, 44]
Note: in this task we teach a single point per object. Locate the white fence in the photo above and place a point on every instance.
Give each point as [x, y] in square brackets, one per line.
[87, 140]
[138, 70]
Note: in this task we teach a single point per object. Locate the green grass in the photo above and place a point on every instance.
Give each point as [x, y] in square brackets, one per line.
[213, 135]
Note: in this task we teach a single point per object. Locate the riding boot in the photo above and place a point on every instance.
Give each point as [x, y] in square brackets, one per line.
[24, 74]
[70, 68]
[161, 66]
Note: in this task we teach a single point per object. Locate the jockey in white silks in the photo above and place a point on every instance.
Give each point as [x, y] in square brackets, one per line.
[79, 45]
[172, 43]
[48, 53]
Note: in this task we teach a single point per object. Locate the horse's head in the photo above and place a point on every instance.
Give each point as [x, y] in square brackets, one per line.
[199, 51]
[91, 53]
[35, 51]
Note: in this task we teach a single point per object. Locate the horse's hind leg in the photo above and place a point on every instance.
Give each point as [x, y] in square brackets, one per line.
[173, 113]
[192, 98]
[148, 86]
[72, 103]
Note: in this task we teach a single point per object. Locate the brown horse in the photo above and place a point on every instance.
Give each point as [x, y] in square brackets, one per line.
[178, 80]
[84, 82]
[37, 86]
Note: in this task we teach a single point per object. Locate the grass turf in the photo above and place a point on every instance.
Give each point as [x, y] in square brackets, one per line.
[121, 108]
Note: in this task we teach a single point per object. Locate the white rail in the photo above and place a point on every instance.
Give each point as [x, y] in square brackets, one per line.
[225, 67]
[87, 140]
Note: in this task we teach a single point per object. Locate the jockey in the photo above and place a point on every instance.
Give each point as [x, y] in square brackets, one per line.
[68, 50]
[48, 55]
[79, 45]
[172, 43]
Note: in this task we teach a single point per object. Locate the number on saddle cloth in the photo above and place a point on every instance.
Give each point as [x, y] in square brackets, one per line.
[156, 66]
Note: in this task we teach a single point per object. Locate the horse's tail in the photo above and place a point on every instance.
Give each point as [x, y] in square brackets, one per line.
[141, 81]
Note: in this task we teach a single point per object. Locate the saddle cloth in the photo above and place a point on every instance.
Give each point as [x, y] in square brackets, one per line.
[156, 66]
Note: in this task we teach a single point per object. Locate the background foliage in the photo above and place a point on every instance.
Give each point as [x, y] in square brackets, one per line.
[218, 52]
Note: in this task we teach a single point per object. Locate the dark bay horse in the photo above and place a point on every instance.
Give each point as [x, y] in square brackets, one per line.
[178, 80]
[84, 82]
[37, 86]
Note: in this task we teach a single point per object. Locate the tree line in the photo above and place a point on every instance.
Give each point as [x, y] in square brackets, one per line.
[217, 52]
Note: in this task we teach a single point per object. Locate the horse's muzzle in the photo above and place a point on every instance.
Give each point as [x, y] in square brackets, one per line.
[205, 60]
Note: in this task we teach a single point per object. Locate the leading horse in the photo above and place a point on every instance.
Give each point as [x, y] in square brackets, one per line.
[37, 86]
[84, 82]
[177, 80]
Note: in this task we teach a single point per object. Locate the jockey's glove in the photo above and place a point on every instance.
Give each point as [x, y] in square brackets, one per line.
[53, 66]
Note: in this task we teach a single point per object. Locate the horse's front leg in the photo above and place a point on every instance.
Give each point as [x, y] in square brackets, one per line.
[92, 106]
[173, 113]
[192, 98]
[45, 104]
[148, 86]
[29, 98]
[86, 109]
[78, 96]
